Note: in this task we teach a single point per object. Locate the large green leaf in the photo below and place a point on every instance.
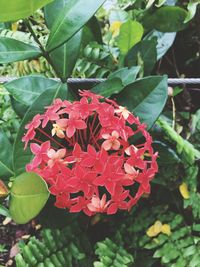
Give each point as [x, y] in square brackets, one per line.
[145, 97]
[127, 75]
[20, 156]
[72, 18]
[65, 56]
[5, 156]
[166, 19]
[164, 41]
[13, 50]
[130, 34]
[116, 81]
[29, 194]
[18, 9]
[26, 89]
[143, 53]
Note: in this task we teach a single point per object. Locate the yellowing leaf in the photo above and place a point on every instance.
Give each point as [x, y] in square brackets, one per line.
[184, 191]
[3, 189]
[155, 229]
[114, 28]
[166, 229]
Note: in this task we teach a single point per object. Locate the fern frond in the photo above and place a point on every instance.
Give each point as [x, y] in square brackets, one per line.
[112, 255]
[56, 249]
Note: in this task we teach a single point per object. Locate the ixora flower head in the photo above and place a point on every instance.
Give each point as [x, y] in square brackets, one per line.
[83, 151]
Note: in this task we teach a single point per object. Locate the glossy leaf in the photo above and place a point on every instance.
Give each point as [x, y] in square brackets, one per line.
[5, 156]
[19, 9]
[164, 41]
[166, 19]
[26, 89]
[13, 50]
[127, 75]
[29, 194]
[65, 57]
[20, 156]
[130, 34]
[71, 20]
[145, 97]
[143, 53]
[109, 87]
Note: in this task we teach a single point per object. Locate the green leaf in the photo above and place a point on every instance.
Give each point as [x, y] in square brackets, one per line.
[91, 32]
[130, 34]
[166, 19]
[164, 41]
[29, 194]
[109, 87]
[26, 89]
[4, 211]
[13, 50]
[126, 75]
[145, 97]
[20, 156]
[72, 18]
[19, 9]
[192, 8]
[166, 154]
[65, 57]
[145, 53]
[5, 156]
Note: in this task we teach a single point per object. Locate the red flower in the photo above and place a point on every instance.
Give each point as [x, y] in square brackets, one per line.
[83, 151]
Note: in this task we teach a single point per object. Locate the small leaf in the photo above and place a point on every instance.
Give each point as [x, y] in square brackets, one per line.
[4, 211]
[13, 50]
[183, 188]
[127, 75]
[166, 229]
[19, 9]
[192, 8]
[130, 34]
[108, 87]
[29, 194]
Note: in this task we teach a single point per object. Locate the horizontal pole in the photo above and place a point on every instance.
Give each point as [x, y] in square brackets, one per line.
[171, 81]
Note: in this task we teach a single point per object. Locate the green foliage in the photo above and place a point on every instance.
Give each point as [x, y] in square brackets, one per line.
[180, 249]
[160, 21]
[145, 94]
[67, 24]
[57, 248]
[13, 50]
[18, 9]
[130, 34]
[111, 255]
[95, 61]
[29, 194]
[5, 156]
[187, 151]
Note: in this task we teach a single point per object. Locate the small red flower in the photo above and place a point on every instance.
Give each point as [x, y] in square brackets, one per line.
[83, 151]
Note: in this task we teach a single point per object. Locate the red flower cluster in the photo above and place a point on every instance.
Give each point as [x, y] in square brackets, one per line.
[83, 151]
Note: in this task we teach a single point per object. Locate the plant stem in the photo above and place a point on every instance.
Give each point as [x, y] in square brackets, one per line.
[46, 55]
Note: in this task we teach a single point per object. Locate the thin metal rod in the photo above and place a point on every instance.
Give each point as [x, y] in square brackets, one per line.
[171, 81]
